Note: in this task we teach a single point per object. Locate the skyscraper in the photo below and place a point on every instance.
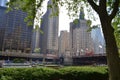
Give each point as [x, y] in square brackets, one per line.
[80, 38]
[15, 35]
[49, 26]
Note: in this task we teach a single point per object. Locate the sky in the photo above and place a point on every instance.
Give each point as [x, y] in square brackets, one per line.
[64, 20]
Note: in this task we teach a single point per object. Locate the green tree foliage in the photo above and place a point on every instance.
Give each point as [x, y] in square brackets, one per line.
[37, 50]
[108, 12]
[116, 24]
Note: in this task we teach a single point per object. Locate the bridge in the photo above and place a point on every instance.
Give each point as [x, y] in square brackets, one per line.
[96, 59]
[76, 60]
[28, 56]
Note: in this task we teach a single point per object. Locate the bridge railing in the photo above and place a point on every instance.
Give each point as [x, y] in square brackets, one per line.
[29, 55]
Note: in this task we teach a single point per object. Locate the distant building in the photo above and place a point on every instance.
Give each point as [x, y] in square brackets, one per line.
[64, 43]
[49, 26]
[15, 35]
[81, 42]
[98, 40]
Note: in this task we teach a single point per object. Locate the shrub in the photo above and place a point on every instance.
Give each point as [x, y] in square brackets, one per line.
[84, 73]
[17, 60]
[67, 73]
[29, 74]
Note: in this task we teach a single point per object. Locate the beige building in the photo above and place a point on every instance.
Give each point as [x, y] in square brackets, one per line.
[64, 44]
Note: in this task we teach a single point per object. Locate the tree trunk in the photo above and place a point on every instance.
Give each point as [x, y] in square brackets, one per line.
[113, 60]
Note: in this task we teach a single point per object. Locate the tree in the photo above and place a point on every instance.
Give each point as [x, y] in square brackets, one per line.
[107, 11]
[17, 60]
[108, 31]
[37, 50]
[116, 24]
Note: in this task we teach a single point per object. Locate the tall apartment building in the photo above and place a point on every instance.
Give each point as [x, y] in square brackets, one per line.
[15, 35]
[64, 44]
[80, 38]
[98, 40]
[49, 26]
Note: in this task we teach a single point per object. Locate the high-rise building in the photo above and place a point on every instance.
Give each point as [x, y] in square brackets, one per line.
[49, 26]
[80, 38]
[15, 35]
[98, 40]
[2, 25]
[3, 3]
[64, 44]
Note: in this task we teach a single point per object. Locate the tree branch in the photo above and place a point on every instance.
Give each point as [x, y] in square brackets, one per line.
[94, 6]
[103, 5]
[115, 9]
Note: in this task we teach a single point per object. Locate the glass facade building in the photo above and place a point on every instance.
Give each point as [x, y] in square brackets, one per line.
[15, 35]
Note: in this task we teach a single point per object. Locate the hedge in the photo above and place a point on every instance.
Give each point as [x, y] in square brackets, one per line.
[29, 74]
[67, 73]
[84, 73]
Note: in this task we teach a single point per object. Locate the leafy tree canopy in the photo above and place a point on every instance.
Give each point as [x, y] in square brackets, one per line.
[116, 24]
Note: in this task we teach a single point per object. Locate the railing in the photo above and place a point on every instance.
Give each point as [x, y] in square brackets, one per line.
[29, 55]
[8, 65]
[90, 55]
[15, 54]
